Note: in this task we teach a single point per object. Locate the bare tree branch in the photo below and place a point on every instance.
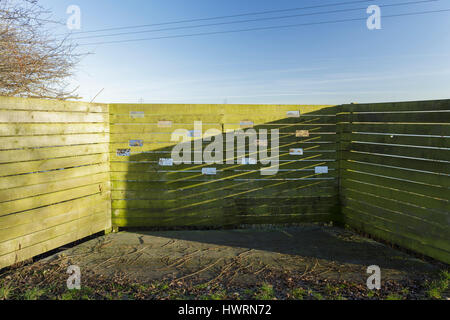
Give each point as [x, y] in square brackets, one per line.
[33, 63]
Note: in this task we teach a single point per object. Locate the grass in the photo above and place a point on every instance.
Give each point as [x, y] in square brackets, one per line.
[394, 296]
[5, 291]
[436, 288]
[265, 292]
[298, 293]
[33, 294]
[84, 294]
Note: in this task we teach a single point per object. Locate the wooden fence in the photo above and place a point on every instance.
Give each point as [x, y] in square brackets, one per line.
[54, 175]
[395, 173]
[379, 168]
[146, 193]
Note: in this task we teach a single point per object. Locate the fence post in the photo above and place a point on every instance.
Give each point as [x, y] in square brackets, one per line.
[343, 131]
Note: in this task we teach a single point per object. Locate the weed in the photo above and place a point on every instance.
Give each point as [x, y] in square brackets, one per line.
[33, 294]
[265, 292]
[5, 291]
[437, 287]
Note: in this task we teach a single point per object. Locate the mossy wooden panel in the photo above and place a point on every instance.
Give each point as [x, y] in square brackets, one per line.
[395, 173]
[147, 194]
[54, 175]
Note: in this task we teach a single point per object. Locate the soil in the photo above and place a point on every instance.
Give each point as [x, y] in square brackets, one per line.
[301, 262]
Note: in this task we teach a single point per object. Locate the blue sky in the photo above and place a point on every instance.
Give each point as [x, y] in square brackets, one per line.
[408, 59]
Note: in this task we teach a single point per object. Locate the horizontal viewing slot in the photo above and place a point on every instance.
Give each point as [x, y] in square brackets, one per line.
[52, 141]
[39, 166]
[14, 206]
[35, 217]
[407, 151]
[11, 103]
[47, 188]
[31, 129]
[50, 117]
[431, 105]
[422, 165]
[396, 194]
[51, 176]
[52, 228]
[387, 231]
[415, 129]
[406, 186]
[397, 173]
[386, 138]
[389, 117]
[406, 225]
[22, 155]
[419, 214]
[74, 233]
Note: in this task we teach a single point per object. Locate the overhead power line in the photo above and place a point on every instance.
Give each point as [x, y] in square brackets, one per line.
[264, 28]
[223, 17]
[252, 20]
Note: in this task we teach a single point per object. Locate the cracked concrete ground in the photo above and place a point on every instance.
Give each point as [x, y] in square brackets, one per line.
[327, 252]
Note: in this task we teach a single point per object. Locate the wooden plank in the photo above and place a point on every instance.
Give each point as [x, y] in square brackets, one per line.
[397, 195]
[402, 225]
[30, 129]
[22, 221]
[51, 228]
[416, 129]
[73, 233]
[402, 117]
[8, 156]
[12, 103]
[407, 186]
[361, 221]
[186, 188]
[49, 199]
[315, 129]
[8, 116]
[165, 109]
[411, 140]
[405, 212]
[431, 105]
[155, 129]
[401, 162]
[310, 152]
[404, 151]
[221, 222]
[151, 118]
[16, 168]
[48, 188]
[51, 176]
[398, 173]
[52, 141]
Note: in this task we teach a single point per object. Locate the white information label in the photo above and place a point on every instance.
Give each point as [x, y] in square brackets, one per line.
[321, 170]
[293, 114]
[247, 124]
[248, 161]
[123, 152]
[296, 152]
[137, 114]
[209, 171]
[166, 162]
[302, 133]
[164, 124]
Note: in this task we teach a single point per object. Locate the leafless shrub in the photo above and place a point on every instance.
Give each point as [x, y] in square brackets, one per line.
[33, 62]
